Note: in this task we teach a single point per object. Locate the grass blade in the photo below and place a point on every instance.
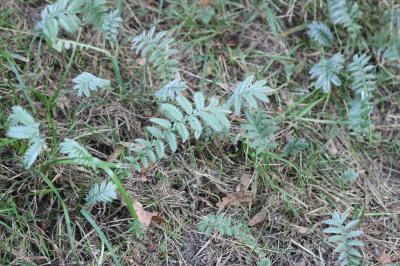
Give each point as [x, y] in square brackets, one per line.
[101, 235]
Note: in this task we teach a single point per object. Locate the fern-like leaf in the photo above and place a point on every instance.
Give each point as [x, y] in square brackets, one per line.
[212, 115]
[259, 130]
[23, 132]
[156, 48]
[326, 72]
[23, 126]
[111, 24]
[345, 236]
[171, 90]
[182, 118]
[350, 175]
[172, 112]
[341, 13]
[363, 84]
[294, 145]
[171, 138]
[389, 36]
[33, 151]
[320, 33]
[105, 192]
[20, 116]
[95, 11]
[225, 227]
[61, 14]
[77, 153]
[145, 152]
[85, 83]
[248, 93]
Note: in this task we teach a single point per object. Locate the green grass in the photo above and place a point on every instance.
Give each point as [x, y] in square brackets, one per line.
[43, 220]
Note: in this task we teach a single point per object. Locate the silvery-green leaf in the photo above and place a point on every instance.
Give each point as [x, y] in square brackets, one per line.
[23, 132]
[86, 82]
[320, 33]
[111, 25]
[105, 192]
[33, 152]
[171, 90]
[20, 115]
[77, 153]
[326, 72]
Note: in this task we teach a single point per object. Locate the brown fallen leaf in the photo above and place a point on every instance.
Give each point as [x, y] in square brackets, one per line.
[301, 229]
[235, 199]
[384, 259]
[244, 182]
[116, 153]
[279, 109]
[152, 247]
[146, 217]
[232, 41]
[287, 97]
[141, 61]
[205, 3]
[208, 71]
[331, 147]
[258, 218]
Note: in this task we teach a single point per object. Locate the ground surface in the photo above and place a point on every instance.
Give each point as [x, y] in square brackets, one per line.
[298, 192]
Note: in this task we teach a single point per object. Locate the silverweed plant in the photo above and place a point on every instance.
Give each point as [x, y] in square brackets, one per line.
[346, 71]
[345, 238]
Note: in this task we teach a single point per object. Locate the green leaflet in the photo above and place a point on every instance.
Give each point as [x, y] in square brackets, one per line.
[363, 84]
[326, 72]
[344, 236]
[224, 226]
[342, 13]
[171, 90]
[77, 153]
[106, 191]
[248, 93]
[23, 126]
[294, 145]
[37, 145]
[156, 48]
[95, 11]
[20, 115]
[61, 14]
[259, 130]
[65, 14]
[320, 33]
[86, 82]
[111, 24]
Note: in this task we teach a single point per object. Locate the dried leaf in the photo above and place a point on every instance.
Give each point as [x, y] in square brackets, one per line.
[301, 229]
[235, 199]
[331, 147]
[244, 182]
[287, 97]
[116, 153]
[208, 71]
[232, 41]
[258, 218]
[146, 217]
[141, 61]
[205, 3]
[152, 247]
[384, 259]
